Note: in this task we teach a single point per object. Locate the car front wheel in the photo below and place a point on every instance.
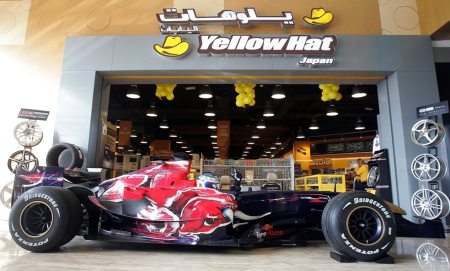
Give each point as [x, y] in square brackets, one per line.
[43, 217]
[359, 225]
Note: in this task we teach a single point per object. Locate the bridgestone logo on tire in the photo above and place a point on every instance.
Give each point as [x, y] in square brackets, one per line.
[42, 196]
[374, 203]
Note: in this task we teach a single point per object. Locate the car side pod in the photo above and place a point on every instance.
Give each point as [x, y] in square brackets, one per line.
[360, 226]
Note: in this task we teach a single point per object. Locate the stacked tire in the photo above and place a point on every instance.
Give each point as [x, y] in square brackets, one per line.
[65, 155]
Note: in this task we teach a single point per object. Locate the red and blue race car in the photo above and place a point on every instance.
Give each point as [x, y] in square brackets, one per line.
[158, 204]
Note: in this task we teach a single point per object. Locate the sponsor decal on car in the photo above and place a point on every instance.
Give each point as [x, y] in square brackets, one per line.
[375, 203]
[30, 244]
[358, 250]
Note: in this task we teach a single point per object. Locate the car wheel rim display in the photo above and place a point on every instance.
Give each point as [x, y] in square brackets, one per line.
[28, 133]
[374, 176]
[6, 194]
[36, 219]
[365, 225]
[430, 204]
[427, 167]
[431, 257]
[427, 133]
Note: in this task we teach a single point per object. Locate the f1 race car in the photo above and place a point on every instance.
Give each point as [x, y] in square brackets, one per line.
[158, 204]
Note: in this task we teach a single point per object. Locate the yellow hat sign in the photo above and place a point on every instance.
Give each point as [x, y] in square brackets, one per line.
[173, 46]
[319, 17]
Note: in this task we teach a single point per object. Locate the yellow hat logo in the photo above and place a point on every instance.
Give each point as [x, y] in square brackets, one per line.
[173, 46]
[319, 17]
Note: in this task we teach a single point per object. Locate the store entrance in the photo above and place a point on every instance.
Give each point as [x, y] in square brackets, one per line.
[271, 141]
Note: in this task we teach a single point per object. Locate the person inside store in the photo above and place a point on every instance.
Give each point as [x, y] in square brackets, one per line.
[361, 174]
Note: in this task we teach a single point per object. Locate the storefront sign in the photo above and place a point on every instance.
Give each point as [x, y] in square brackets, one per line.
[173, 22]
[33, 114]
[432, 109]
[310, 47]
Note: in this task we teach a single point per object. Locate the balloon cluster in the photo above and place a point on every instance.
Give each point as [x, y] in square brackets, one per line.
[165, 91]
[330, 92]
[246, 94]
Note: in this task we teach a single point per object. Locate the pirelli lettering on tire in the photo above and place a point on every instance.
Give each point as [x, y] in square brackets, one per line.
[30, 244]
[42, 196]
[358, 250]
[374, 203]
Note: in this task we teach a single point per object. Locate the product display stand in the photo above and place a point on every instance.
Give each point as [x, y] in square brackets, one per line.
[386, 259]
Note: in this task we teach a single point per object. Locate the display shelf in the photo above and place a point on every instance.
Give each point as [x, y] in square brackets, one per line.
[255, 172]
[321, 182]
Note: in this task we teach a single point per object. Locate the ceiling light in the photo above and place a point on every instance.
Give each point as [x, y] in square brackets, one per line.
[273, 148]
[133, 134]
[278, 141]
[215, 147]
[172, 134]
[268, 111]
[358, 92]
[213, 136]
[314, 125]
[246, 152]
[212, 124]
[278, 93]
[179, 140]
[164, 124]
[268, 152]
[151, 112]
[331, 110]
[209, 112]
[255, 136]
[264, 155]
[214, 143]
[118, 124]
[205, 92]
[300, 133]
[144, 140]
[120, 147]
[188, 151]
[261, 124]
[359, 124]
[184, 146]
[117, 142]
[248, 147]
[251, 143]
[138, 153]
[133, 92]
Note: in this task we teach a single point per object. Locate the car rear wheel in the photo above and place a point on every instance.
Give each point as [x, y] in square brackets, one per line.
[359, 225]
[44, 218]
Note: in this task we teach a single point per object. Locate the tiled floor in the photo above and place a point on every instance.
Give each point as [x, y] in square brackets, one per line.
[92, 255]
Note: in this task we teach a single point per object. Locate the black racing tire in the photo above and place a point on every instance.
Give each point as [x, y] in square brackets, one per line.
[42, 218]
[76, 156]
[75, 219]
[359, 225]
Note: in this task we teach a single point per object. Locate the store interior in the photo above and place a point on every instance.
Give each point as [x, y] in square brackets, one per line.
[273, 132]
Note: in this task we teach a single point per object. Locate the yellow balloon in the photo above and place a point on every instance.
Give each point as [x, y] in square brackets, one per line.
[252, 102]
[331, 95]
[247, 100]
[335, 88]
[252, 95]
[324, 98]
[338, 97]
[239, 103]
[170, 96]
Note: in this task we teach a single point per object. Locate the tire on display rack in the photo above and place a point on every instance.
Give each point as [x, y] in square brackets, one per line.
[65, 155]
[359, 225]
[26, 159]
[427, 167]
[427, 133]
[44, 218]
[430, 204]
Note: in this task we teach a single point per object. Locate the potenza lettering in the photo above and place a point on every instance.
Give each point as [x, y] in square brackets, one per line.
[247, 44]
